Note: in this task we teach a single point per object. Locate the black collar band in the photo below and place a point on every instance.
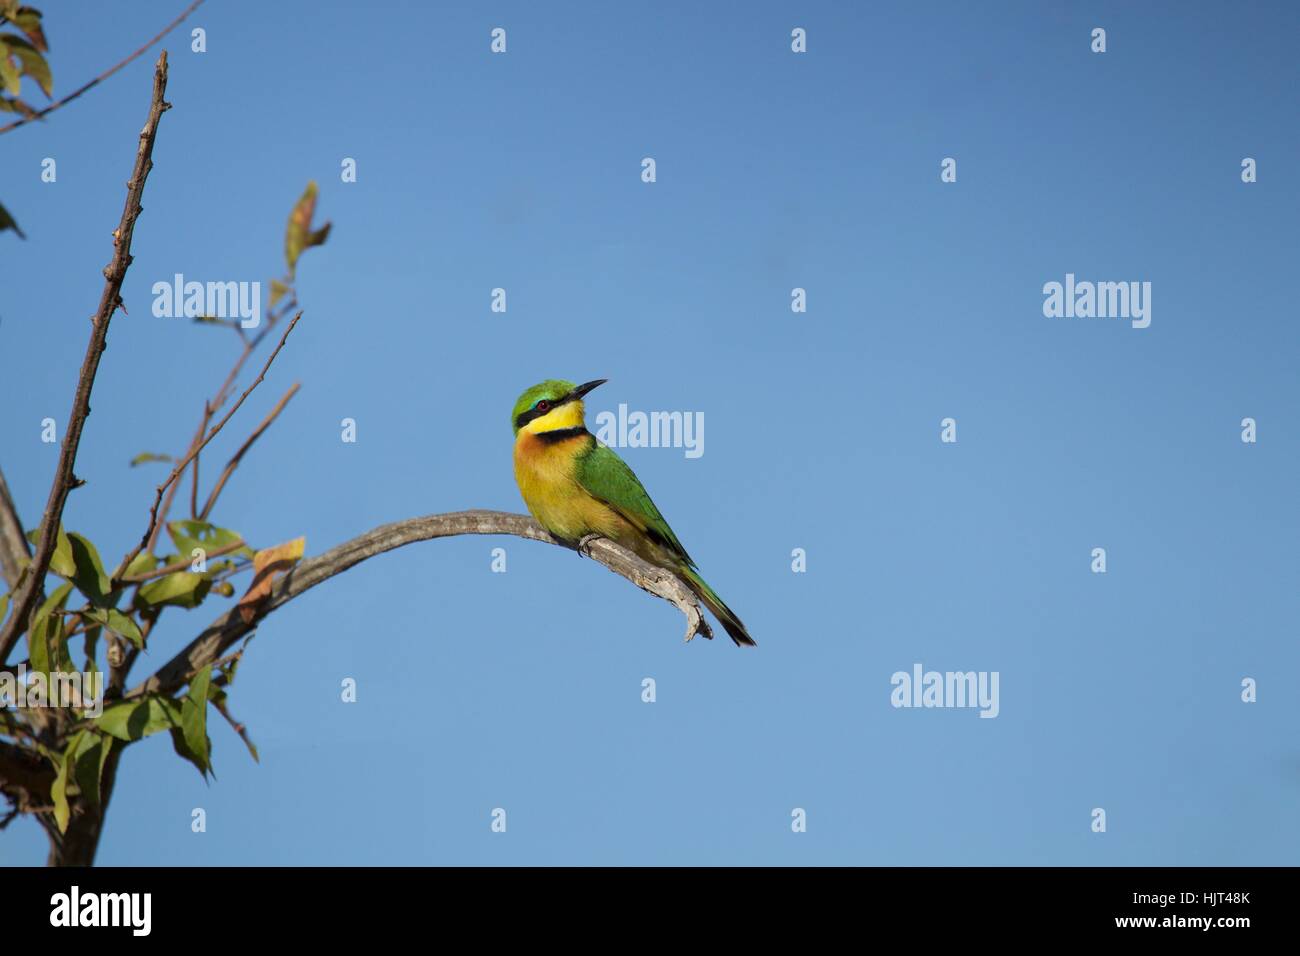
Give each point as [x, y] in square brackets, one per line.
[560, 434]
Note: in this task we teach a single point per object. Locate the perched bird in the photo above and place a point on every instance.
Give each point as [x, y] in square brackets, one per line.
[574, 486]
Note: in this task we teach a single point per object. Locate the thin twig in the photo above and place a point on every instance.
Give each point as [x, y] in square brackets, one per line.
[183, 564]
[194, 475]
[250, 346]
[180, 467]
[219, 399]
[228, 659]
[39, 114]
[248, 443]
[238, 727]
[231, 626]
[110, 299]
[171, 492]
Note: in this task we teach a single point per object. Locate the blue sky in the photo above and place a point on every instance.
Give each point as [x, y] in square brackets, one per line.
[522, 690]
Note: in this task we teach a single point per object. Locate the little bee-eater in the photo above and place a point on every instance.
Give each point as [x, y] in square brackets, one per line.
[574, 486]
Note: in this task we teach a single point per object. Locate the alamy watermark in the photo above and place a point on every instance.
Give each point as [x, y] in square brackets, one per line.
[652, 430]
[75, 908]
[31, 689]
[219, 300]
[922, 688]
[1098, 300]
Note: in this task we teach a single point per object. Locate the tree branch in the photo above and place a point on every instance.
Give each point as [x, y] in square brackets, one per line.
[194, 474]
[171, 493]
[40, 114]
[231, 627]
[14, 551]
[210, 407]
[24, 776]
[183, 564]
[114, 272]
[194, 450]
[239, 455]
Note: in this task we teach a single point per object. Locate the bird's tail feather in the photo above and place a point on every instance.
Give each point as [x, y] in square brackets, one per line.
[726, 617]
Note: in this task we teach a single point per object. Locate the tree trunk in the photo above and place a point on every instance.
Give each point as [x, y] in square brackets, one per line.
[77, 846]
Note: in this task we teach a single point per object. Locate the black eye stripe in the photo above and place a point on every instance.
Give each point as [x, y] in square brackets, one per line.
[536, 412]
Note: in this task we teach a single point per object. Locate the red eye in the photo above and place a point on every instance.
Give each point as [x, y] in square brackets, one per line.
[543, 406]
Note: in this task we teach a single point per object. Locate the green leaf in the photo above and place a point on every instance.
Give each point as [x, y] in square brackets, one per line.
[117, 622]
[9, 74]
[299, 235]
[57, 600]
[32, 63]
[28, 20]
[88, 763]
[201, 686]
[59, 790]
[61, 562]
[104, 752]
[47, 648]
[194, 722]
[181, 589]
[142, 563]
[147, 456]
[136, 719]
[6, 220]
[124, 721]
[89, 576]
[57, 637]
[278, 290]
[38, 646]
[46, 644]
[182, 748]
[189, 535]
[91, 641]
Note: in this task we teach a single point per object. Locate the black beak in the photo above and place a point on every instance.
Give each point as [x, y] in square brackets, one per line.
[586, 387]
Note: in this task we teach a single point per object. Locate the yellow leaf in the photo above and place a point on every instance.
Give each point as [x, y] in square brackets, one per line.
[299, 235]
[268, 565]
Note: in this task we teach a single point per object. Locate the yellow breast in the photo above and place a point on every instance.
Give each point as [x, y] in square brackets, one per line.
[545, 474]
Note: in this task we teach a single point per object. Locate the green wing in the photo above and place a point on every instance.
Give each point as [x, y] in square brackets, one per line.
[606, 476]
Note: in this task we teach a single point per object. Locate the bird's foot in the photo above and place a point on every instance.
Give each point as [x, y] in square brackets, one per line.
[585, 542]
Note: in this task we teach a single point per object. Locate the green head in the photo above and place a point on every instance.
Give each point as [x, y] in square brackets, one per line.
[549, 405]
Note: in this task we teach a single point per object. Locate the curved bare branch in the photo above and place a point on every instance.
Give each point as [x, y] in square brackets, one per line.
[231, 627]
